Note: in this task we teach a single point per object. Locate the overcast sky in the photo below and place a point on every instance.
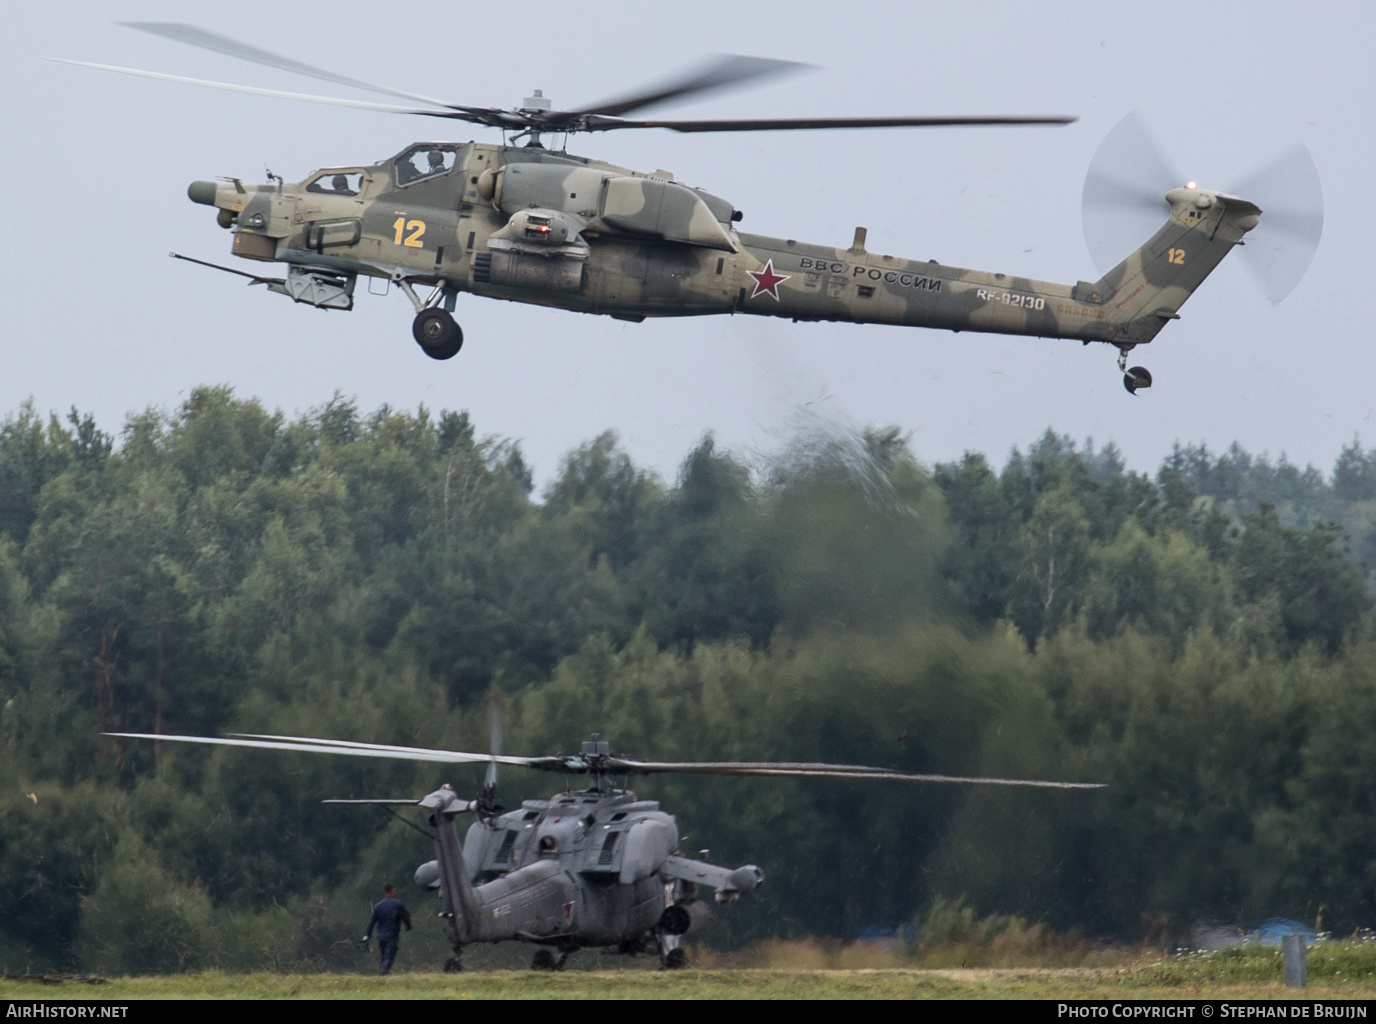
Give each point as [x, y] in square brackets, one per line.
[97, 316]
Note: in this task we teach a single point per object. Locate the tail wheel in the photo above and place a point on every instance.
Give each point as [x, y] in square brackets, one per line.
[1135, 378]
[437, 334]
[452, 965]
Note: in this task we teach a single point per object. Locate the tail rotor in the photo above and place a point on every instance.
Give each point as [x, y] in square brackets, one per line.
[1290, 194]
[487, 805]
[1124, 200]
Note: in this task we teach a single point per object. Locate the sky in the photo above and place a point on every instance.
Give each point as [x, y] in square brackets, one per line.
[95, 315]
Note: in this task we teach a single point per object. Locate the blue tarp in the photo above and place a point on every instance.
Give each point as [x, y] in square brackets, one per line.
[1272, 930]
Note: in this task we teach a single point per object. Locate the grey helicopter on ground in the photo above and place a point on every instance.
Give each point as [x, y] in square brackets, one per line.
[596, 867]
[531, 224]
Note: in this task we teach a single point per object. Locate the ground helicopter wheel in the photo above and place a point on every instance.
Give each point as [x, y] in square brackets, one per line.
[676, 959]
[544, 961]
[1135, 378]
[452, 965]
[437, 334]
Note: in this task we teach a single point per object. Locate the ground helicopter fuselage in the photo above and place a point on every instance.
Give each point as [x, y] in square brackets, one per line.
[595, 868]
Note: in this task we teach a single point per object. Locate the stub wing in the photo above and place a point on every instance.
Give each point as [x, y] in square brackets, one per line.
[727, 882]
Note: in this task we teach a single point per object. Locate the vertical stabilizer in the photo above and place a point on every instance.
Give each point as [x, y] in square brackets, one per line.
[458, 905]
[1147, 289]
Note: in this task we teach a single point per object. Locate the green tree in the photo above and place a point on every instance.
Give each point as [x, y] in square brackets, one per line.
[1317, 595]
[53, 840]
[1163, 586]
[709, 573]
[1052, 552]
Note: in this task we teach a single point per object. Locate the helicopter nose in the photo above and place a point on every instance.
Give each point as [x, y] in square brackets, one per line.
[202, 192]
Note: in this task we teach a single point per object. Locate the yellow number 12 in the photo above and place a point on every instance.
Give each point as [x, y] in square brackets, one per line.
[416, 227]
[1173, 256]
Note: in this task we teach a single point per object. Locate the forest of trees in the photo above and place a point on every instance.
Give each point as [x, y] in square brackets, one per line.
[1200, 639]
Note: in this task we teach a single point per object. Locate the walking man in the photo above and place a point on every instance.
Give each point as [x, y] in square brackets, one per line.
[388, 915]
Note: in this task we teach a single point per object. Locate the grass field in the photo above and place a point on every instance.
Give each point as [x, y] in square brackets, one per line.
[1336, 971]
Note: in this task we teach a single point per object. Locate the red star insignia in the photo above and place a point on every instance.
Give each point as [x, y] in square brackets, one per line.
[767, 282]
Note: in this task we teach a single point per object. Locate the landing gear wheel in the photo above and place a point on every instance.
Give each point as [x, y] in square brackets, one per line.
[1136, 378]
[544, 961]
[675, 960]
[452, 965]
[437, 334]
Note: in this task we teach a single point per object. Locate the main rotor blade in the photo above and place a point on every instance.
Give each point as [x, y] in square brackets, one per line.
[307, 745]
[822, 771]
[785, 124]
[1280, 248]
[207, 40]
[347, 745]
[717, 73]
[580, 765]
[333, 101]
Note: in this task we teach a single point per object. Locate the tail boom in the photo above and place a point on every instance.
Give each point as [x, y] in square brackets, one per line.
[1127, 307]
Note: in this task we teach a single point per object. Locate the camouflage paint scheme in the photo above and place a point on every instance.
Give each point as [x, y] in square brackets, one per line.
[533, 225]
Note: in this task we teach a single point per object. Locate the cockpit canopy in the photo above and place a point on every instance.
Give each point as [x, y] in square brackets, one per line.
[425, 161]
[337, 183]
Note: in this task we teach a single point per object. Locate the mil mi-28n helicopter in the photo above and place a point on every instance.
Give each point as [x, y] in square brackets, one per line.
[590, 868]
[530, 224]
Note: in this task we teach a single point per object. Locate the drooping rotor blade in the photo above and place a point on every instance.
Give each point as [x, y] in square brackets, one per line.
[1124, 198]
[716, 73]
[375, 803]
[820, 771]
[786, 124]
[600, 765]
[458, 756]
[1280, 249]
[207, 40]
[309, 745]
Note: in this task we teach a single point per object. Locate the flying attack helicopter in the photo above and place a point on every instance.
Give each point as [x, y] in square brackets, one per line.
[531, 224]
[587, 868]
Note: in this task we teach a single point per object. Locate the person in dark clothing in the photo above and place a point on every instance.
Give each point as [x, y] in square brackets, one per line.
[388, 916]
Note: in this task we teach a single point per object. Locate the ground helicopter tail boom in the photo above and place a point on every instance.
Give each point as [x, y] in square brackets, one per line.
[458, 902]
